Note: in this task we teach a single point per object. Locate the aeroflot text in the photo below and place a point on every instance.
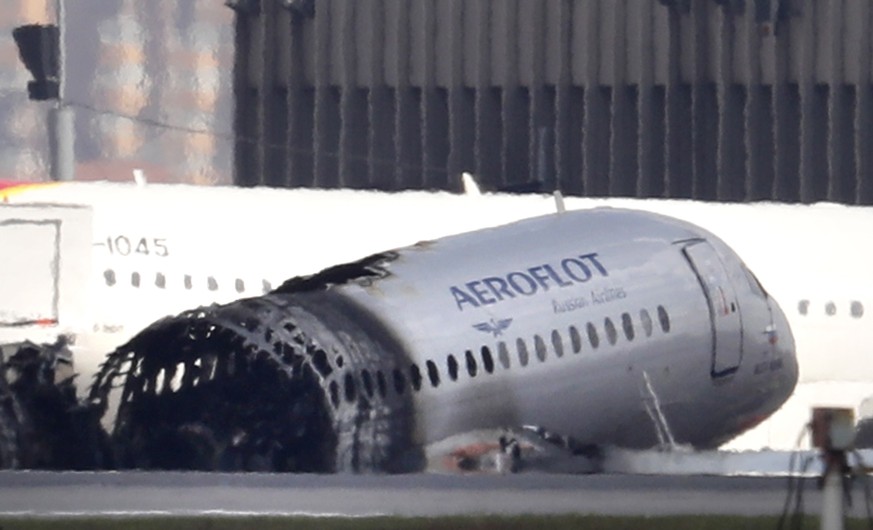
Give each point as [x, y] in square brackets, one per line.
[494, 289]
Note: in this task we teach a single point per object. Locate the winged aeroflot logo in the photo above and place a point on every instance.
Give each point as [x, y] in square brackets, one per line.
[494, 327]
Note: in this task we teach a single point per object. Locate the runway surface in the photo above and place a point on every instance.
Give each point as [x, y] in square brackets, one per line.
[46, 494]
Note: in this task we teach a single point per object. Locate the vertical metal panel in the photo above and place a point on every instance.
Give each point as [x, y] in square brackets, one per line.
[568, 106]
[786, 116]
[595, 125]
[489, 124]
[462, 114]
[624, 141]
[864, 112]
[246, 96]
[678, 116]
[650, 161]
[327, 102]
[434, 106]
[704, 99]
[758, 116]
[540, 119]
[513, 100]
[813, 117]
[300, 106]
[704, 108]
[381, 148]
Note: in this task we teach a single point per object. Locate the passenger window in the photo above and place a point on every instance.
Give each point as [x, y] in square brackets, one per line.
[522, 352]
[134, 279]
[611, 333]
[557, 343]
[160, 280]
[333, 388]
[647, 322]
[415, 377]
[453, 368]
[109, 276]
[575, 339]
[350, 388]
[592, 335]
[471, 364]
[503, 354]
[540, 347]
[211, 283]
[433, 374]
[664, 319]
[381, 384]
[803, 307]
[487, 360]
[399, 381]
[189, 282]
[367, 379]
[239, 285]
[627, 325]
[266, 287]
[831, 309]
[857, 309]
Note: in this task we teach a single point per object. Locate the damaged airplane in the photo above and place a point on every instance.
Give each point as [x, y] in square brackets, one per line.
[608, 326]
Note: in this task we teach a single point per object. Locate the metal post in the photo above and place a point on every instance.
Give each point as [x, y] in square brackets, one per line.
[832, 493]
[61, 118]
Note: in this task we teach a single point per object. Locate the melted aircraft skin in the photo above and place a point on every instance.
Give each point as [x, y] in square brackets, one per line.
[608, 326]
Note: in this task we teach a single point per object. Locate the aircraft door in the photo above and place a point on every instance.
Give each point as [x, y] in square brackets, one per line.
[724, 312]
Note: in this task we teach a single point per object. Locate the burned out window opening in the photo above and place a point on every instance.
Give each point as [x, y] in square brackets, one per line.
[415, 377]
[367, 381]
[381, 384]
[350, 388]
[399, 381]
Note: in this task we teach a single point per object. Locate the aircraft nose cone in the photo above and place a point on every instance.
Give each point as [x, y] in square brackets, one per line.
[782, 341]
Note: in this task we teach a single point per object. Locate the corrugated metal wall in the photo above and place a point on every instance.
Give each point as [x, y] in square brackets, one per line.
[710, 99]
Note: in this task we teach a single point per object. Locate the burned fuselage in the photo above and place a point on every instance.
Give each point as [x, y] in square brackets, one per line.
[598, 325]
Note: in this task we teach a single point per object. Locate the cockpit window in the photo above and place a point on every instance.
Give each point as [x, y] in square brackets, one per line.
[754, 284]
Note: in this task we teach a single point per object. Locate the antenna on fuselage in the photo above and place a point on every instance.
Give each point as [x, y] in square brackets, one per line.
[139, 177]
[559, 201]
[471, 187]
